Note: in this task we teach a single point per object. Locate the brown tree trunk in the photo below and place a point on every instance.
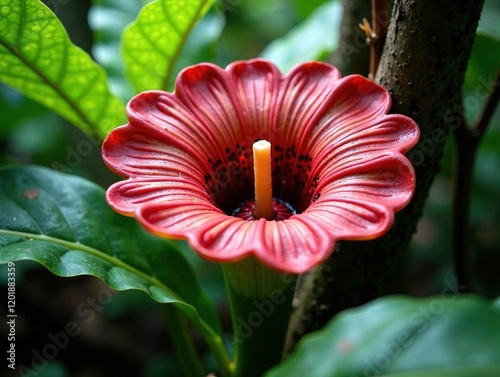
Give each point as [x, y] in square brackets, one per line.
[353, 54]
[423, 67]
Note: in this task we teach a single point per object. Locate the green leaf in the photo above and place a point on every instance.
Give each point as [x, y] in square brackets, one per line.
[313, 39]
[152, 44]
[64, 223]
[38, 59]
[108, 18]
[404, 337]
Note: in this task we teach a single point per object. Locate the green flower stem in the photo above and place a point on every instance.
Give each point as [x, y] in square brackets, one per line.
[261, 302]
[184, 349]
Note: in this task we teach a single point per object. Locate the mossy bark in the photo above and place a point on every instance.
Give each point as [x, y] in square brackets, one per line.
[423, 67]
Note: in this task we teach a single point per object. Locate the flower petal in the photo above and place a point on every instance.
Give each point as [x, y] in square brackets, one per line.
[206, 92]
[303, 101]
[214, 235]
[178, 218]
[354, 101]
[304, 98]
[295, 245]
[157, 170]
[162, 117]
[387, 179]
[133, 150]
[125, 196]
[256, 85]
[337, 159]
[292, 245]
[358, 203]
[390, 133]
[234, 107]
[350, 219]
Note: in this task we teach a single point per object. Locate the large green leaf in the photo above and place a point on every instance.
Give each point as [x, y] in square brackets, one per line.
[152, 44]
[38, 59]
[313, 39]
[404, 337]
[198, 47]
[64, 223]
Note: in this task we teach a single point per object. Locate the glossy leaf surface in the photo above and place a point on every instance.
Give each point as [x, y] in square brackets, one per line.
[152, 44]
[404, 337]
[64, 223]
[38, 59]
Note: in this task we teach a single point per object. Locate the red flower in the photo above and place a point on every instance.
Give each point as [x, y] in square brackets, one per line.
[338, 167]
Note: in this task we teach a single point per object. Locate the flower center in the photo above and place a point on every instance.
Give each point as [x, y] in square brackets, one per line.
[290, 187]
[281, 210]
[264, 207]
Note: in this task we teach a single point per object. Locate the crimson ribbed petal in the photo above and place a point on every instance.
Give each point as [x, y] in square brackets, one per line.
[337, 161]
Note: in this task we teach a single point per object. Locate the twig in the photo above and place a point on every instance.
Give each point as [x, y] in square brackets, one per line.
[380, 22]
[376, 33]
[467, 142]
[481, 124]
[463, 168]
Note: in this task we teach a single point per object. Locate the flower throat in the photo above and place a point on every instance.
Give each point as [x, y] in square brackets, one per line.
[263, 205]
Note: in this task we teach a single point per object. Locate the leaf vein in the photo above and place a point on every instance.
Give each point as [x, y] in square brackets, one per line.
[64, 96]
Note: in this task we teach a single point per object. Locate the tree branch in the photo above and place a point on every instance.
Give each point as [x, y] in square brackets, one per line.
[423, 67]
[352, 54]
[376, 33]
[466, 145]
[380, 21]
[491, 104]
